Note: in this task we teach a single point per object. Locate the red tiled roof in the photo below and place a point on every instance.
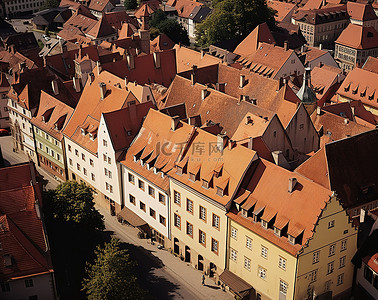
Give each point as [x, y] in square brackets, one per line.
[358, 37]
[124, 124]
[118, 18]
[372, 262]
[127, 30]
[99, 5]
[284, 10]
[147, 7]
[371, 64]
[298, 210]
[316, 16]
[361, 11]
[101, 29]
[161, 42]
[184, 7]
[261, 34]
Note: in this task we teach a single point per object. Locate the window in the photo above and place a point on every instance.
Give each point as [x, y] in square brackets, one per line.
[331, 224]
[132, 199]
[78, 166]
[216, 221]
[283, 287]
[69, 148]
[85, 171]
[105, 157]
[83, 156]
[52, 153]
[202, 213]
[76, 152]
[330, 267]
[332, 250]
[58, 156]
[262, 273]
[234, 233]
[162, 220]
[327, 286]
[247, 263]
[214, 245]
[70, 160]
[368, 274]
[142, 206]
[91, 162]
[202, 238]
[189, 205]
[315, 257]
[189, 229]
[93, 177]
[264, 224]
[47, 150]
[234, 254]
[343, 245]
[301, 126]
[106, 171]
[105, 143]
[264, 252]
[29, 283]
[151, 191]
[152, 213]
[109, 160]
[177, 197]
[131, 178]
[248, 242]
[141, 184]
[110, 174]
[177, 221]
[110, 188]
[282, 262]
[40, 146]
[312, 275]
[342, 262]
[340, 279]
[5, 287]
[161, 198]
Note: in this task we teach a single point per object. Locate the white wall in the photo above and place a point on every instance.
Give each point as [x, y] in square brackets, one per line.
[366, 284]
[292, 65]
[325, 59]
[149, 201]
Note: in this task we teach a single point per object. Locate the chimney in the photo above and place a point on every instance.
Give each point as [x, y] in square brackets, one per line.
[353, 110]
[175, 122]
[231, 144]
[202, 53]
[254, 101]
[91, 77]
[320, 46]
[126, 81]
[130, 62]
[137, 51]
[99, 68]
[286, 45]
[302, 49]
[318, 110]
[55, 88]
[76, 84]
[250, 143]
[248, 120]
[193, 75]
[221, 87]
[324, 3]
[157, 59]
[102, 86]
[346, 121]
[204, 93]
[292, 183]
[221, 141]
[242, 81]
[362, 215]
[192, 121]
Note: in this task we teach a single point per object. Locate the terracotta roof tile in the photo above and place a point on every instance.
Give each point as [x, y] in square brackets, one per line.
[316, 16]
[298, 210]
[371, 64]
[99, 5]
[184, 7]
[161, 42]
[361, 11]
[147, 7]
[284, 10]
[118, 18]
[101, 29]
[358, 37]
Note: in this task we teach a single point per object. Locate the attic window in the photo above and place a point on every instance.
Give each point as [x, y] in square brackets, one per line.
[205, 184]
[291, 239]
[220, 191]
[179, 170]
[83, 131]
[7, 260]
[244, 213]
[192, 177]
[264, 224]
[91, 137]
[347, 88]
[135, 158]
[277, 231]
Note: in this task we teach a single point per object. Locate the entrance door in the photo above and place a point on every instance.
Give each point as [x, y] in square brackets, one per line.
[187, 254]
[176, 246]
[112, 207]
[200, 262]
[213, 268]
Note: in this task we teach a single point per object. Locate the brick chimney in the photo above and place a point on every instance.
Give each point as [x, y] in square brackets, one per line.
[221, 141]
[175, 122]
[130, 62]
[292, 183]
[157, 60]
[54, 85]
[242, 81]
[286, 45]
[102, 86]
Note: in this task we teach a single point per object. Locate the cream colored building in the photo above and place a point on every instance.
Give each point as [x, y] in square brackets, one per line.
[291, 242]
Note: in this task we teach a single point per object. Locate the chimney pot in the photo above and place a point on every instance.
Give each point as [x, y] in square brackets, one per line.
[157, 59]
[286, 45]
[175, 122]
[221, 141]
[102, 86]
[292, 183]
[242, 81]
[55, 88]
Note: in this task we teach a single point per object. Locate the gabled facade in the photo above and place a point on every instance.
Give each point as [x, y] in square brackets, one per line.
[284, 252]
[99, 7]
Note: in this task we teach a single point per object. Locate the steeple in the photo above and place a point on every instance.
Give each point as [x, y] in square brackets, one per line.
[306, 94]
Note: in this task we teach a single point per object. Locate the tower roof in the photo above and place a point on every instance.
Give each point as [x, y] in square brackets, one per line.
[305, 93]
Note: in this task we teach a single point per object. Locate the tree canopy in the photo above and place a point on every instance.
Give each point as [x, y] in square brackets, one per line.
[169, 26]
[111, 277]
[231, 19]
[73, 202]
[131, 4]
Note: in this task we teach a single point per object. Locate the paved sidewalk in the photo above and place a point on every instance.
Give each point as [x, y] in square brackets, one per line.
[186, 278]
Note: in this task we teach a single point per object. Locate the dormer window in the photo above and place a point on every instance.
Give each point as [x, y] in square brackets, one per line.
[135, 158]
[192, 177]
[155, 170]
[277, 231]
[43, 118]
[205, 184]
[291, 239]
[264, 224]
[220, 191]
[142, 162]
[244, 213]
[82, 131]
[91, 137]
[179, 170]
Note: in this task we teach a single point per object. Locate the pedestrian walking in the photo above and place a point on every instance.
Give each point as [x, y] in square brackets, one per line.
[203, 279]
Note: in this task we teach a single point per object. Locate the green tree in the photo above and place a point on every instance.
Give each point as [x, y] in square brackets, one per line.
[73, 202]
[233, 18]
[157, 18]
[131, 4]
[111, 275]
[50, 4]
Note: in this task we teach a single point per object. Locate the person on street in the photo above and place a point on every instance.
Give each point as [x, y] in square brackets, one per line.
[203, 279]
